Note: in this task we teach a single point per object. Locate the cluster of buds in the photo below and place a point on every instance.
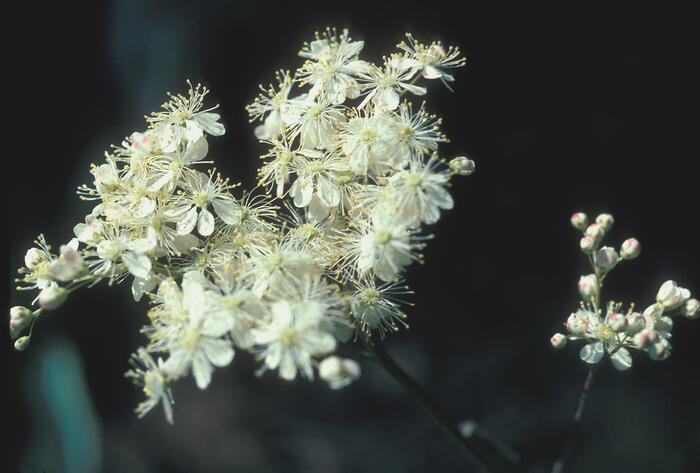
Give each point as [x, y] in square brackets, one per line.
[224, 272]
[613, 331]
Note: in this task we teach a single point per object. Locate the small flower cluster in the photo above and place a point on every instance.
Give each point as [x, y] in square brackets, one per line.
[227, 272]
[612, 330]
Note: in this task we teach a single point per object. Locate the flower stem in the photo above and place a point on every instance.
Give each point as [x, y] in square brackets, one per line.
[558, 466]
[481, 450]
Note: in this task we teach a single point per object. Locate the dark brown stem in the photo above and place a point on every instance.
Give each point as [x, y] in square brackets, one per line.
[482, 450]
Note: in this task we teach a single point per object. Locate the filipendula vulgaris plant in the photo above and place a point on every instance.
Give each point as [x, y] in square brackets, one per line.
[311, 259]
[609, 329]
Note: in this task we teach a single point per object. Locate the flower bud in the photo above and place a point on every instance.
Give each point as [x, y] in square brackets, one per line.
[596, 231]
[338, 372]
[576, 324]
[462, 166]
[20, 317]
[588, 287]
[606, 258]
[22, 343]
[643, 339]
[660, 350]
[605, 221]
[635, 323]
[630, 248]
[588, 244]
[52, 297]
[618, 322]
[671, 296]
[558, 340]
[579, 220]
[690, 308]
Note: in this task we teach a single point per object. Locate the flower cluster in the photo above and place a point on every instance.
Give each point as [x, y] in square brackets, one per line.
[609, 329]
[225, 272]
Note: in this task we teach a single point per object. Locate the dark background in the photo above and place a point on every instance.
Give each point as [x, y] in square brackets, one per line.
[563, 109]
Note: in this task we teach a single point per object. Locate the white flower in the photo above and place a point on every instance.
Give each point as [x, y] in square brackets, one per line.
[365, 142]
[376, 308]
[292, 338]
[183, 116]
[200, 191]
[314, 122]
[386, 84]
[269, 103]
[196, 343]
[433, 59]
[420, 192]
[155, 382]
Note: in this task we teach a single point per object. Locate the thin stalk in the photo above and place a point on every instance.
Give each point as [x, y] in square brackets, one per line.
[558, 466]
[482, 451]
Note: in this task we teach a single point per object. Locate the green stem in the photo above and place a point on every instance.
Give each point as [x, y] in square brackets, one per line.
[481, 450]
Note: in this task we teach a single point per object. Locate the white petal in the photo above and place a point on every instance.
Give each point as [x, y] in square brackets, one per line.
[303, 190]
[414, 89]
[592, 353]
[228, 210]
[196, 151]
[187, 223]
[201, 369]
[205, 225]
[622, 359]
[140, 286]
[208, 121]
[216, 324]
[218, 351]
[145, 207]
[328, 192]
[138, 265]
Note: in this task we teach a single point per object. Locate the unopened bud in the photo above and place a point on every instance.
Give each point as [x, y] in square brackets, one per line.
[690, 308]
[588, 287]
[462, 166]
[671, 296]
[630, 249]
[596, 231]
[579, 220]
[605, 221]
[20, 317]
[588, 244]
[22, 343]
[338, 372]
[643, 339]
[606, 258]
[558, 340]
[660, 350]
[618, 322]
[52, 297]
[635, 323]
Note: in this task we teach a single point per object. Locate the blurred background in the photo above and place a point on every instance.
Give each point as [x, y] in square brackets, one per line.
[563, 109]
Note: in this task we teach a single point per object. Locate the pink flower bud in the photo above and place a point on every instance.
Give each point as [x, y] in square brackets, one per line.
[579, 220]
[588, 244]
[52, 297]
[20, 318]
[671, 296]
[691, 308]
[606, 258]
[588, 287]
[660, 350]
[558, 340]
[462, 166]
[618, 322]
[22, 343]
[596, 231]
[643, 338]
[605, 221]
[630, 248]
